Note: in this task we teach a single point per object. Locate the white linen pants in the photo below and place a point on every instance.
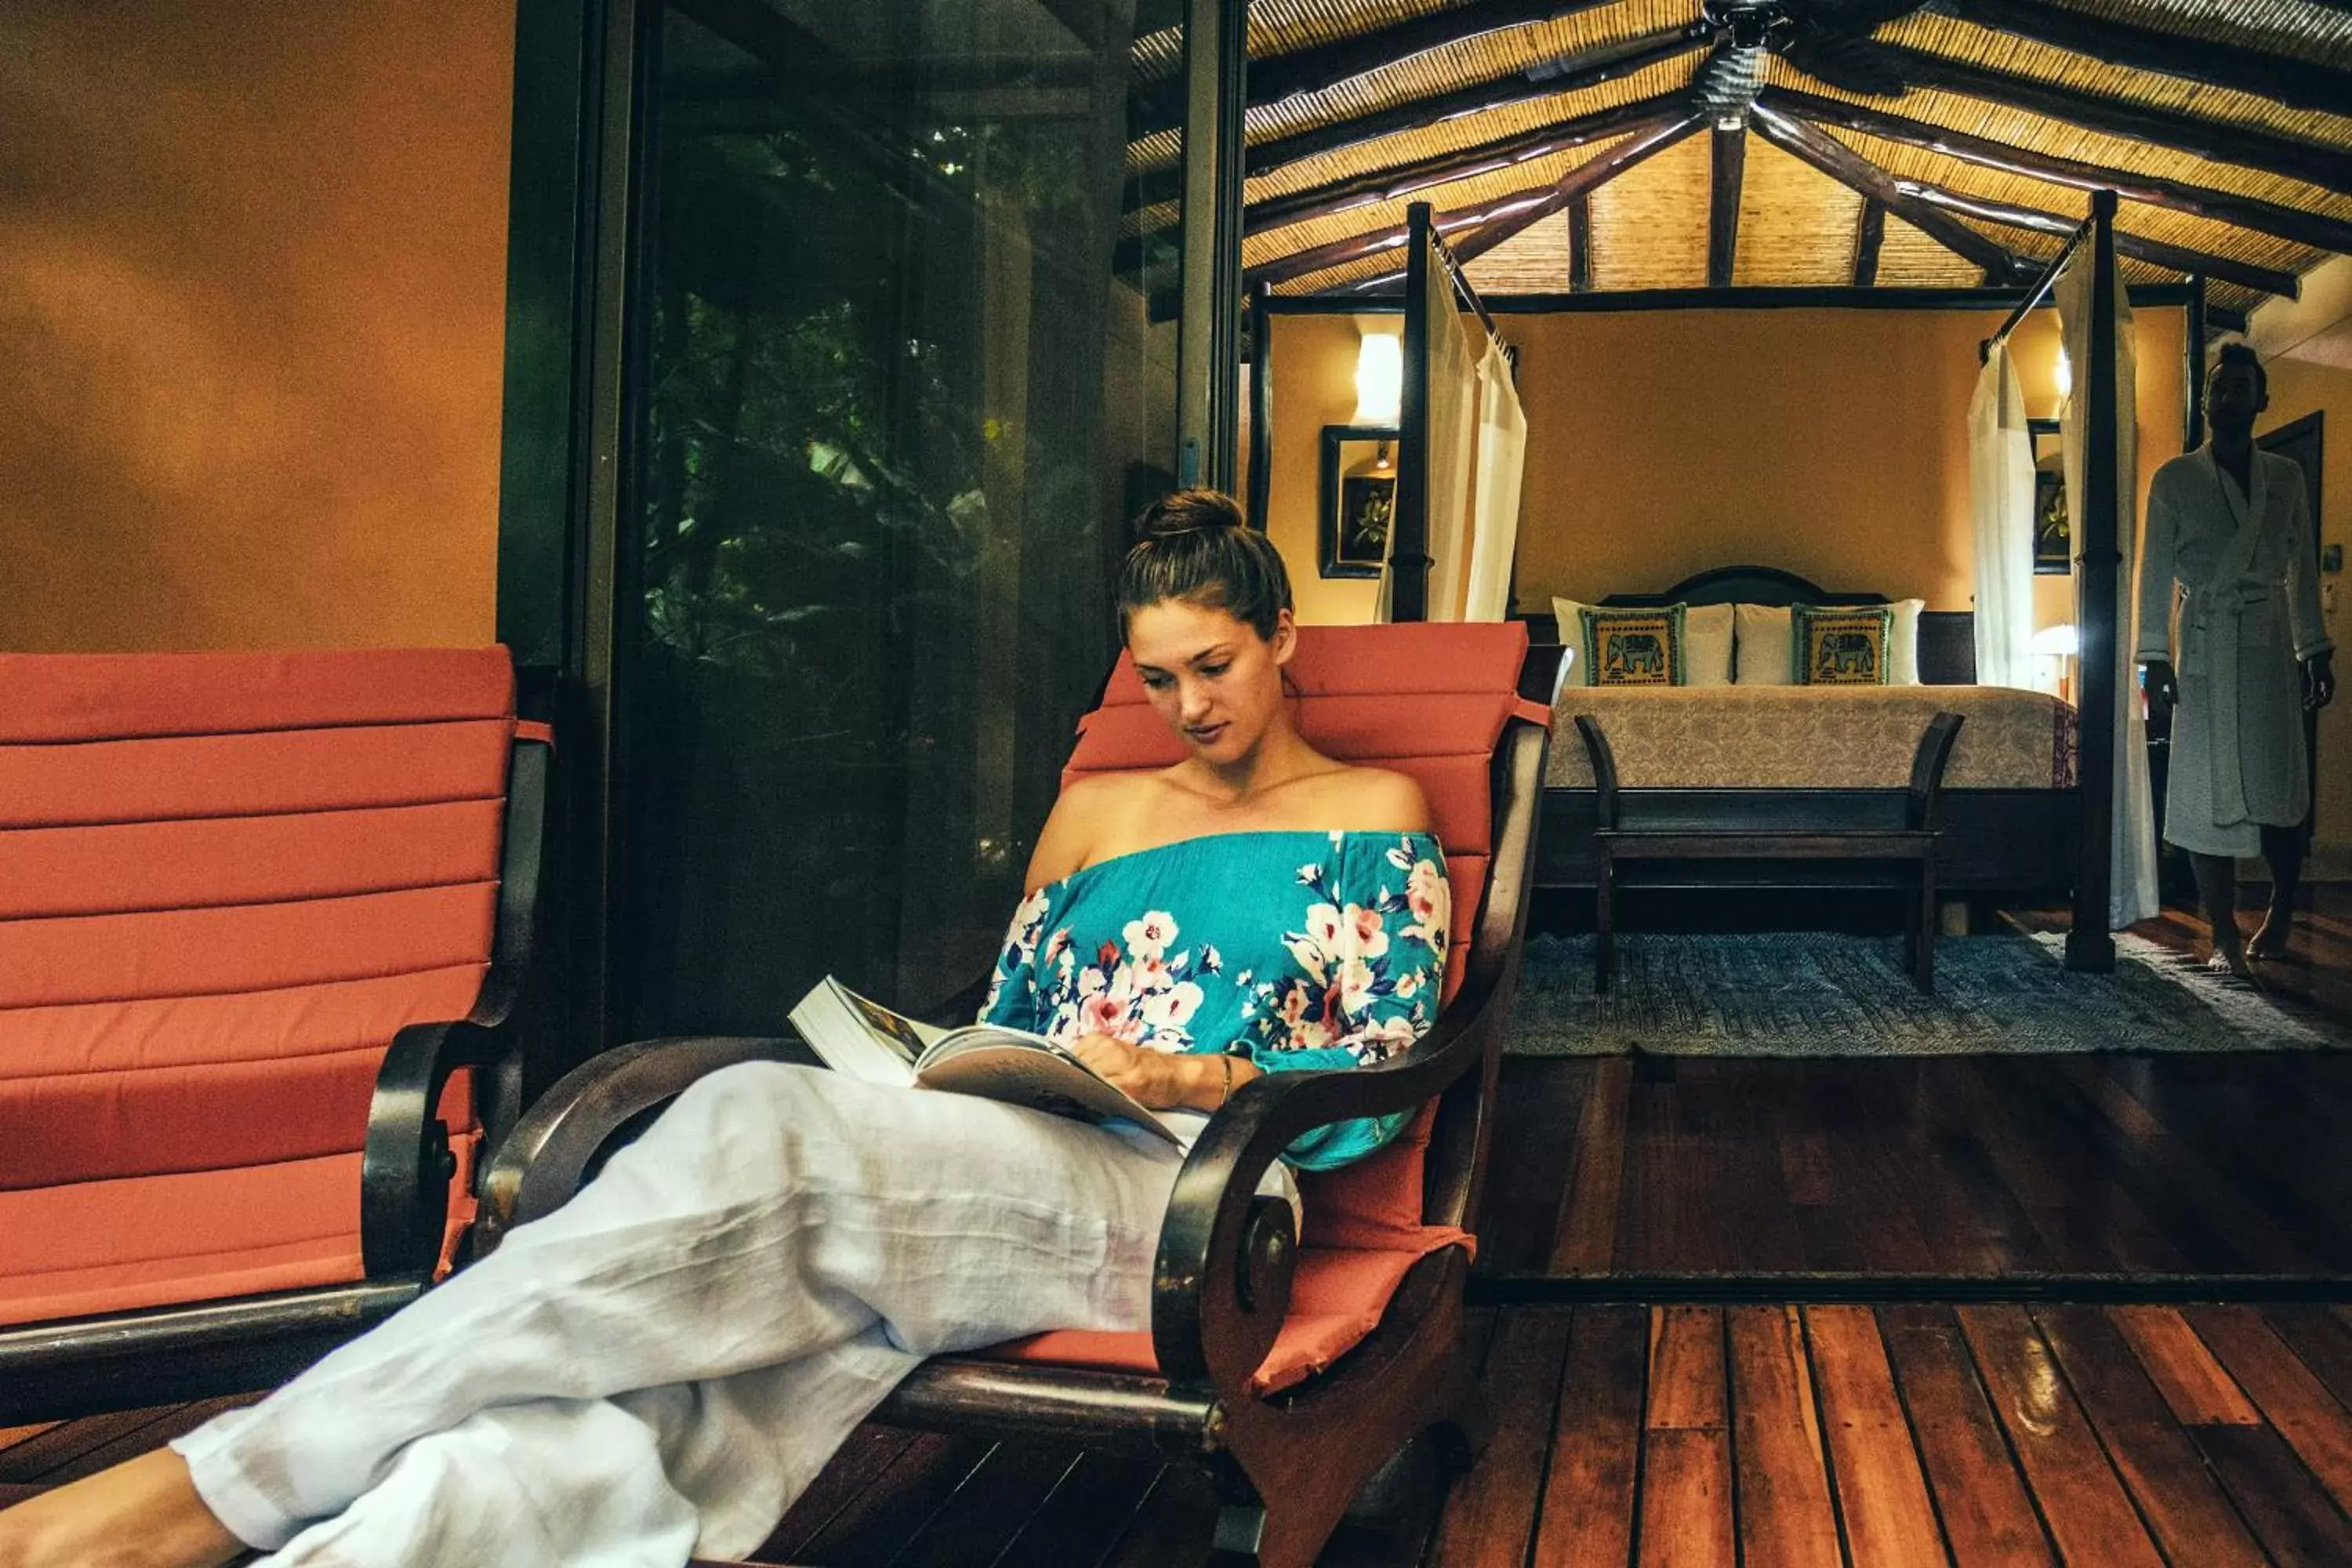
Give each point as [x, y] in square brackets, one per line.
[657, 1369]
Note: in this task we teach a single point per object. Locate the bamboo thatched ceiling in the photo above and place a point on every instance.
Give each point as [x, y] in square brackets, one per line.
[1622, 144]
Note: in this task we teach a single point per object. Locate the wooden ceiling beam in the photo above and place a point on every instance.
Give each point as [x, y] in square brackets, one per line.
[1730, 164]
[1401, 180]
[2315, 229]
[1579, 243]
[1484, 228]
[1848, 168]
[2281, 79]
[1867, 241]
[1575, 73]
[2327, 167]
[2156, 252]
[1322, 66]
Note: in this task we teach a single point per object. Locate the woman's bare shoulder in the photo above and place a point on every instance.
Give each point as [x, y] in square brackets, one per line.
[1091, 811]
[1377, 800]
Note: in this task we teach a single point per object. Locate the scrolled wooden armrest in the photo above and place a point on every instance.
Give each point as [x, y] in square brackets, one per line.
[404, 1171]
[1221, 1285]
[548, 1156]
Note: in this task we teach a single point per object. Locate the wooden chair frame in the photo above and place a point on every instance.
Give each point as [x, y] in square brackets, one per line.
[115, 1361]
[1287, 1465]
[1911, 846]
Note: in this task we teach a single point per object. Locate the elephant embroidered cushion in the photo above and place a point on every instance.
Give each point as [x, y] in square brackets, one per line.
[1848, 645]
[1706, 642]
[1633, 647]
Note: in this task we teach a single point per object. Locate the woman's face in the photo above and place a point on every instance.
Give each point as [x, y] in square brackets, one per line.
[1211, 676]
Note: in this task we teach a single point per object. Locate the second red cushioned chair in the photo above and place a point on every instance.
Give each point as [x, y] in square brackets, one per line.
[258, 915]
[1292, 1372]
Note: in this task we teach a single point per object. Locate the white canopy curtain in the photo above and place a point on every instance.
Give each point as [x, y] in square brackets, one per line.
[1453, 405]
[2001, 498]
[2132, 894]
[1495, 494]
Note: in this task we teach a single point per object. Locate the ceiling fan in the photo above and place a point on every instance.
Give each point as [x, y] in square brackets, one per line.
[1827, 39]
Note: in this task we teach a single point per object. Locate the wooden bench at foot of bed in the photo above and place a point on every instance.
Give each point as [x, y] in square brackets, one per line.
[1628, 831]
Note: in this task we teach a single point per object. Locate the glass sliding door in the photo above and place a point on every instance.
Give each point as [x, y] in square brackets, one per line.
[890, 406]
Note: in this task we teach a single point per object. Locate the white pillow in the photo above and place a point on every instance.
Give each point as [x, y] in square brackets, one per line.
[1763, 642]
[1706, 643]
[1764, 649]
[1903, 658]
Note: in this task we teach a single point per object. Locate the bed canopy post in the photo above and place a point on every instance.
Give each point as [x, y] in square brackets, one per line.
[2089, 943]
[1408, 560]
[1261, 408]
[2193, 364]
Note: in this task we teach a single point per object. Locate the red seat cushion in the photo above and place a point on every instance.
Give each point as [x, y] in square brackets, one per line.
[1337, 1298]
[226, 880]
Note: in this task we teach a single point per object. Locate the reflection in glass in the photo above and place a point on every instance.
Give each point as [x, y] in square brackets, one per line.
[892, 395]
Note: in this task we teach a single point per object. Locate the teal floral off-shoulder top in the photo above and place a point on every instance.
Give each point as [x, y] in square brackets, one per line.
[1290, 950]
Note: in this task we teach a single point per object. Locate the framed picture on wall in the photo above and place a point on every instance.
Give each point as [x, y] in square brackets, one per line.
[2053, 535]
[1359, 499]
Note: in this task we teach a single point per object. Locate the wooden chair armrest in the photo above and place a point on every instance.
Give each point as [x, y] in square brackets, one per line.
[1221, 1282]
[1927, 766]
[555, 1145]
[404, 1171]
[1604, 768]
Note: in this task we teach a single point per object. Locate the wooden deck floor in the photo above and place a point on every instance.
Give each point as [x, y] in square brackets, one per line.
[1978, 1167]
[1749, 1435]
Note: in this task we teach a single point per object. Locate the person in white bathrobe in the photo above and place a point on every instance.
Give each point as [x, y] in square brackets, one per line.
[2228, 544]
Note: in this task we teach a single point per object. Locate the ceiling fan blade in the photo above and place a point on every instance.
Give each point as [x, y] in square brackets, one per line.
[1853, 64]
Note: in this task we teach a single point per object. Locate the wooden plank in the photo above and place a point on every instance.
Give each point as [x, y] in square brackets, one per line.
[1174, 1526]
[175, 1422]
[36, 1458]
[1988, 1519]
[2282, 1504]
[2288, 1394]
[856, 1465]
[1881, 1490]
[1805, 1169]
[2185, 1508]
[1539, 1106]
[1686, 1377]
[1587, 1238]
[1686, 1519]
[2322, 1339]
[1091, 1506]
[887, 1515]
[1687, 1478]
[2195, 1388]
[1586, 1519]
[2090, 1516]
[978, 1520]
[1492, 1511]
[1785, 1517]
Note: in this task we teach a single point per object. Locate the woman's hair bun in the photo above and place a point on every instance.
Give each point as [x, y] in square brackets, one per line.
[1194, 545]
[1188, 512]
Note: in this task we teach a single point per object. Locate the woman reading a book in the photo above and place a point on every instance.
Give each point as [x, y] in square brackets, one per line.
[659, 1369]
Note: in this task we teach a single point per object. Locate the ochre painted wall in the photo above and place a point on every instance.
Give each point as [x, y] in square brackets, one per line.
[252, 317]
[1830, 442]
[2297, 389]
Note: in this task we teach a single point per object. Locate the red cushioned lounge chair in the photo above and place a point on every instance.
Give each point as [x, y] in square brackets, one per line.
[260, 914]
[1292, 1372]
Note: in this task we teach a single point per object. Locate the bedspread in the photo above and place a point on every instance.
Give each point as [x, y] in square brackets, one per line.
[1811, 737]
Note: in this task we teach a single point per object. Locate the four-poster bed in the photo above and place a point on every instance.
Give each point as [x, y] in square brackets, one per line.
[2007, 833]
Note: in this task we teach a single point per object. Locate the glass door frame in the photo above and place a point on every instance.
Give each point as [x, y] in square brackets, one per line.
[574, 377]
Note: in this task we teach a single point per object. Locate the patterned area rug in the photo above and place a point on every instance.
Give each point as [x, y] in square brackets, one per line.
[1805, 993]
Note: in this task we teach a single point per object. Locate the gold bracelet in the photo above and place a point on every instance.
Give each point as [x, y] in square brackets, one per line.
[1228, 1095]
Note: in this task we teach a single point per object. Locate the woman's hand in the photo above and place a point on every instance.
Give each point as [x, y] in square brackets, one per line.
[1162, 1081]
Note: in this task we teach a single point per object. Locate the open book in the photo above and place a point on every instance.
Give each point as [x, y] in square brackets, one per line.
[865, 1039]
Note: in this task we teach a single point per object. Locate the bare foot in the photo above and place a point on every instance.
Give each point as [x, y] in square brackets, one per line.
[144, 1513]
[2231, 964]
[2270, 942]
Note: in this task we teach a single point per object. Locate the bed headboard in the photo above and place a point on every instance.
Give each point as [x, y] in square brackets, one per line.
[1947, 641]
